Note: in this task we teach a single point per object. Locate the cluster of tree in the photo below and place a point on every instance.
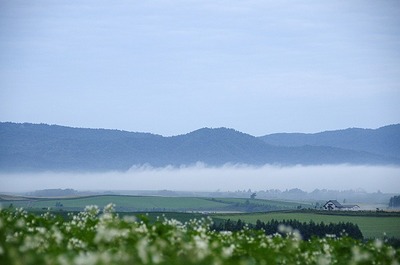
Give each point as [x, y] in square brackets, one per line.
[53, 193]
[307, 230]
[295, 194]
[394, 202]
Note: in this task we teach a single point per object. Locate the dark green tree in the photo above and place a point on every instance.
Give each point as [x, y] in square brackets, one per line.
[394, 202]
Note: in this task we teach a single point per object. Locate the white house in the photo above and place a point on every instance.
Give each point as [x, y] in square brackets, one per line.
[334, 205]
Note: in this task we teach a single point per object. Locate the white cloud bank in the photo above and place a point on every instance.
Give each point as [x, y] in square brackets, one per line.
[226, 178]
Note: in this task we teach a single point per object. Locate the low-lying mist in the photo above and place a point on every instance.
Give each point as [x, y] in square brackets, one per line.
[226, 178]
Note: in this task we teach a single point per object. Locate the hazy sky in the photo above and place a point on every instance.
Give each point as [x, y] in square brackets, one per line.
[173, 66]
[226, 178]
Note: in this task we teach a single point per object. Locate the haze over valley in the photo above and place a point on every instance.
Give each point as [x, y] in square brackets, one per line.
[231, 95]
[40, 156]
[225, 178]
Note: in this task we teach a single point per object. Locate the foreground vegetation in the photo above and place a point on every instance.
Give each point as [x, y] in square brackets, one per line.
[94, 237]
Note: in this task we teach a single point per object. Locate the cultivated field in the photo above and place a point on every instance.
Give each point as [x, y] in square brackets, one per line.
[126, 203]
[371, 225]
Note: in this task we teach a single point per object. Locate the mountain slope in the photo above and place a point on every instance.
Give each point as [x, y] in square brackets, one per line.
[40, 147]
[382, 141]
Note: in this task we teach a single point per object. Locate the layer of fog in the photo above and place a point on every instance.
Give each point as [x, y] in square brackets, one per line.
[226, 178]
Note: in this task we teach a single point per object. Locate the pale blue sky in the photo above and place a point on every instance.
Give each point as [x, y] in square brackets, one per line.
[171, 67]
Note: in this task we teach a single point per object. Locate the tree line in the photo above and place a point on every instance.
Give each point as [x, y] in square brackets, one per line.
[307, 230]
[394, 202]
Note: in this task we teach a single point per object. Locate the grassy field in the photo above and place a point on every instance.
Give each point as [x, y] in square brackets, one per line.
[149, 203]
[371, 226]
[278, 204]
[123, 203]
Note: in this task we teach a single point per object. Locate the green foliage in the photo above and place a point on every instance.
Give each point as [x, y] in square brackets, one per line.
[102, 237]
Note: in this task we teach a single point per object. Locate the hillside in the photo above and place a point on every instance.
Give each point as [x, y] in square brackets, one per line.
[41, 147]
[381, 141]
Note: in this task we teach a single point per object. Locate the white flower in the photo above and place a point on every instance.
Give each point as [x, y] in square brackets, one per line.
[296, 235]
[228, 251]
[107, 234]
[284, 229]
[324, 260]
[57, 235]
[378, 243]
[41, 230]
[330, 235]
[226, 233]
[20, 223]
[359, 255]
[142, 252]
[201, 246]
[129, 219]
[92, 210]
[109, 208]
[86, 259]
[326, 248]
[75, 243]
[142, 228]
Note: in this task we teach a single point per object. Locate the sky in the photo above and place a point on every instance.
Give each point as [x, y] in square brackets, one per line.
[173, 66]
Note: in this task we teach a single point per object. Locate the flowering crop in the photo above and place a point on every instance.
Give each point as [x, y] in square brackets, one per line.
[102, 237]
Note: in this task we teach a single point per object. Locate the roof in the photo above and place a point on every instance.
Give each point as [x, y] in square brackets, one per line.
[350, 206]
[336, 203]
[339, 205]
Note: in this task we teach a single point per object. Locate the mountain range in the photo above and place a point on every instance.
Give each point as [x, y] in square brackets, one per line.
[26, 147]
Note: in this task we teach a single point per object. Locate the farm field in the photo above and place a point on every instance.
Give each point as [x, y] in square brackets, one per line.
[370, 226]
[217, 208]
[278, 204]
[125, 203]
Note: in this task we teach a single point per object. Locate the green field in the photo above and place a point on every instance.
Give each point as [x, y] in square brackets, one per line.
[371, 226]
[127, 203]
[123, 203]
[279, 204]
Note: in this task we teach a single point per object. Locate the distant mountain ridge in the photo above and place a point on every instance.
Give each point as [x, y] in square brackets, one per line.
[381, 141]
[41, 147]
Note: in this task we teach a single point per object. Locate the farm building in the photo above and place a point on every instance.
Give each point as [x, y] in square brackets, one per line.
[334, 205]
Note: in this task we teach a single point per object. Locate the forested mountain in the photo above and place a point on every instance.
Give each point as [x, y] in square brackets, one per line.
[382, 141]
[41, 147]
